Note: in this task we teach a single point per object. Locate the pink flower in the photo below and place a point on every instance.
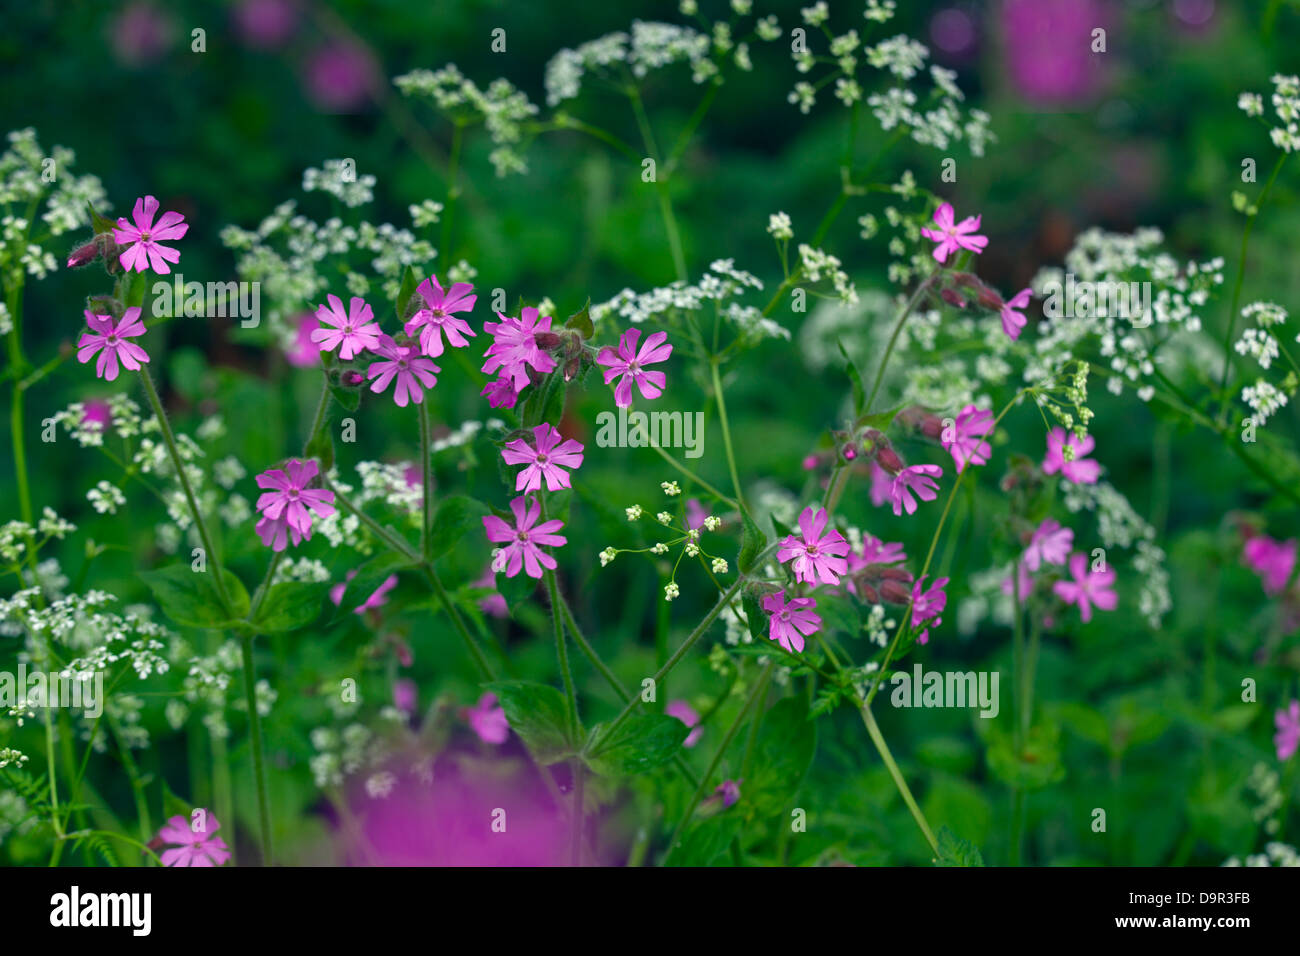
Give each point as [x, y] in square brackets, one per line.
[304, 353]
[488, 720]
[1013, 322]
[376, 600]
[882, 485]
[687, 715]
[952, 236]
[523, 539]
[629, 361]
[494, 605]
[875, 551]
[288, 504]
[790, 622]
[1287, 738]
[339, 76]
[265, 23]
[144, 236]
[729, 790]
[405, 695]
[437, 317]
[1080, 470]
[695, 514]
[193, 847]
[110, 341]
[1049, 542]
[546, 458]
[1088, 587]
[1272, 560]
[500, 393]
[1023, 582]
[351, 332]
[965, 440]
[413, 371]
[96, 413]
[514, 348]
[928, 604]
[817, 557]
[914, 478]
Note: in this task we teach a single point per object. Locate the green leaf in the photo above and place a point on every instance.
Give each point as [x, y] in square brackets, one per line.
[98, 222]
[705, 841]
[348, 398]
[321, 447]
[538, 714]
[457, 516]
[782, 529]
[290, 605]
[641, 743]
[859, 393]
[190, 597]
[755, 617]
[1036, 765]
[752, 543]
[581, 320]
[879, 420]
[410, 281]
[839, 614]
[782, 754]
[954, 851]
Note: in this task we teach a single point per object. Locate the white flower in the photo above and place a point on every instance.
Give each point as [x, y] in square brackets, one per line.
[712, 523]
[719, 566]
[671, 590]
[633, 512]
[1251, 103]
[670, 488]
[607, 556]
[779, 225]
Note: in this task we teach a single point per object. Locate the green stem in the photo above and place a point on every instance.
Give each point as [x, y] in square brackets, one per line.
[152, 394]
[726, 435]
[873, 731]
[259, 763]
[426, 471]
[893, 339]
[561, 650]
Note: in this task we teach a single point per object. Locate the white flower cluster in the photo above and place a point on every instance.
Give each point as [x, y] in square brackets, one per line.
[1286, 104]
[651, 46]
[308, 570]
[27, 176]
[1265, 398]
[818, 265]
[339, 178]
[339, 753]
[501, 107]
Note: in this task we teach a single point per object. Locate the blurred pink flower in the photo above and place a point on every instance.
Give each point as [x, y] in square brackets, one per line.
[1272, 560]
[1048, 46]
[493, 605]
[965, 440]
[98, 413]
[729, 790]
[488, 720]
[1088, 588]
[952, 235]
[1080, 470]
[377, 599]
[928, 604]
[500, 393]
[339, 76]
[193, 847]
[140, 34]
[304, 353]
[1013, 322]
[109, 340]
[1287, 738]
[405, 695]
[687, 715]
[1024, 582]
[143, 235]
[914, 478]
[695, 513]
[882, 485]
[265, 24]
[1050, 542]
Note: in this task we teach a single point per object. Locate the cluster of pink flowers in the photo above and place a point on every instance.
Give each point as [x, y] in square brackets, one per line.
[513, 352]
[289, 503]
[1079, 469]
[1086, 588]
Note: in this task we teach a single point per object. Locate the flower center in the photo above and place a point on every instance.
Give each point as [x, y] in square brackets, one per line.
[634, 366]
[541, 459]
[293, 493]
[785, 617]
[112, 340]
[347, 328]
[521, 537]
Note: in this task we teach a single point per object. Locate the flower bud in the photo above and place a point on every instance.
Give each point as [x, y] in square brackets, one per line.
[547, 340]
[895, 592]
[952, 298]
[84, 255]
[352, 379]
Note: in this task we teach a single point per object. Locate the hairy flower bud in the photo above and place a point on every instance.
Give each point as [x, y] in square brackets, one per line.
[952, 298]
[547, 340]
[895, 592]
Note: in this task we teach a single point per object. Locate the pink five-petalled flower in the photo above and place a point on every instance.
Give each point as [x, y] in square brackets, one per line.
[414, 372]
[1272, 560]
[546, 458]
[109, 339]
[629, 362]
[928, 604]
[1049, 543]
[514, 349]
[952, 235]
[437, 317]
[817, 557]
[914, 478]
[288, 503]
[1287, 738]
[487, 718]
[1013, 322]
[1088, 588]
[687, 715]
[377, 599]
[351, 332]
[520, 543]
[965, 439]
[143, 237]
[193, 844]
[789, 622]
[1080, 470]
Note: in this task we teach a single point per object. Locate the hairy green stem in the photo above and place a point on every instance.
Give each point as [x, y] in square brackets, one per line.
[877, 738]
[259, 762]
